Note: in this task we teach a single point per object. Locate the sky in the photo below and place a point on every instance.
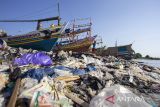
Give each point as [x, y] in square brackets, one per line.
[124, 21]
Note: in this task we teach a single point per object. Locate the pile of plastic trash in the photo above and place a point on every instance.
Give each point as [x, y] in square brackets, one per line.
[45, 79]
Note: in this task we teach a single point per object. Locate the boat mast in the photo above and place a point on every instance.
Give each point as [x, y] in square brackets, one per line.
[90, 32]
[58, 14]
[38, 25]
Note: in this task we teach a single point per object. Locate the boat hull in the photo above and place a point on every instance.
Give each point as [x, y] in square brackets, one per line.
[78, 46]
[42, 45]
[125, 52]
[38, 40]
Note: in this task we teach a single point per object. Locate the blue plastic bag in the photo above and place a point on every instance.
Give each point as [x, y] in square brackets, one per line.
[72, 70]
[64, 68]
[38, 58]
[39, 73]
[91, 68]
[79, 72]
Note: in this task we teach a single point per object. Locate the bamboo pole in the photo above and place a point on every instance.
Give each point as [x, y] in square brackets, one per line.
[13, 98]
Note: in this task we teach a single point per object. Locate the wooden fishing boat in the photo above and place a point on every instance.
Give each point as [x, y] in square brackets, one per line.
[41, 39]
[71, 42]
[81, 45]
[46, 39]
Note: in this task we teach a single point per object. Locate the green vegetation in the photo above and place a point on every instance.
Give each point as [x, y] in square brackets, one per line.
[147, 57]
[138, 55]
[153, 58]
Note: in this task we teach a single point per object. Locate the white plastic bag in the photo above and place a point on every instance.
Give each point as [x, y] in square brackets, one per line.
[117, 96]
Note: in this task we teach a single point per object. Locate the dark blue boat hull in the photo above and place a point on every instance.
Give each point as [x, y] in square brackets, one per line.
[43, 45]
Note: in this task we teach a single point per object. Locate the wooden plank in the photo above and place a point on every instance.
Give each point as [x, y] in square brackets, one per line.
[76, 99]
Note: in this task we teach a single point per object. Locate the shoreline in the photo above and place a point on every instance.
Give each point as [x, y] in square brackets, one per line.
[155, 63]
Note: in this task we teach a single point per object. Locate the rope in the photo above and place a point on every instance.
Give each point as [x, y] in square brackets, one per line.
[38, 11]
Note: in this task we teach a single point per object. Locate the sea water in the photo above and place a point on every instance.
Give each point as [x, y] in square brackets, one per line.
[155, 63]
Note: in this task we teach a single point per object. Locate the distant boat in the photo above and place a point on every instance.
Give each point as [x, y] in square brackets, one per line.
[124, 51]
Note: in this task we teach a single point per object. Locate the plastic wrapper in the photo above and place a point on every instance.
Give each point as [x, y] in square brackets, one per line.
[3, 80]
[89, 60]
[2, 101]
[3, 67]
[3, 44]
[27, 83]
[44, 86]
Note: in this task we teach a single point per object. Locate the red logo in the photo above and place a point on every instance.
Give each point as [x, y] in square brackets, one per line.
[110, 99]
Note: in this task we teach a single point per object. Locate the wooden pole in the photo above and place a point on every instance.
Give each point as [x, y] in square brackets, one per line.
[13, 98]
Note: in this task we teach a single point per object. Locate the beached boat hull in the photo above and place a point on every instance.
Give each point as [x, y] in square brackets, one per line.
[43, 45]
[125, 51]
[39, 40]
[82, 45]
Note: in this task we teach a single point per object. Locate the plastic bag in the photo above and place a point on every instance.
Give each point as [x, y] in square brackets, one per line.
[79, 72]
[63, 71]
[66, 71]
[3, 80]
[89, 60]
[118, 96]
[3, 44]
[39, 73]
[42, 99]
[43, 86]
[38, 58]
[27, 83]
